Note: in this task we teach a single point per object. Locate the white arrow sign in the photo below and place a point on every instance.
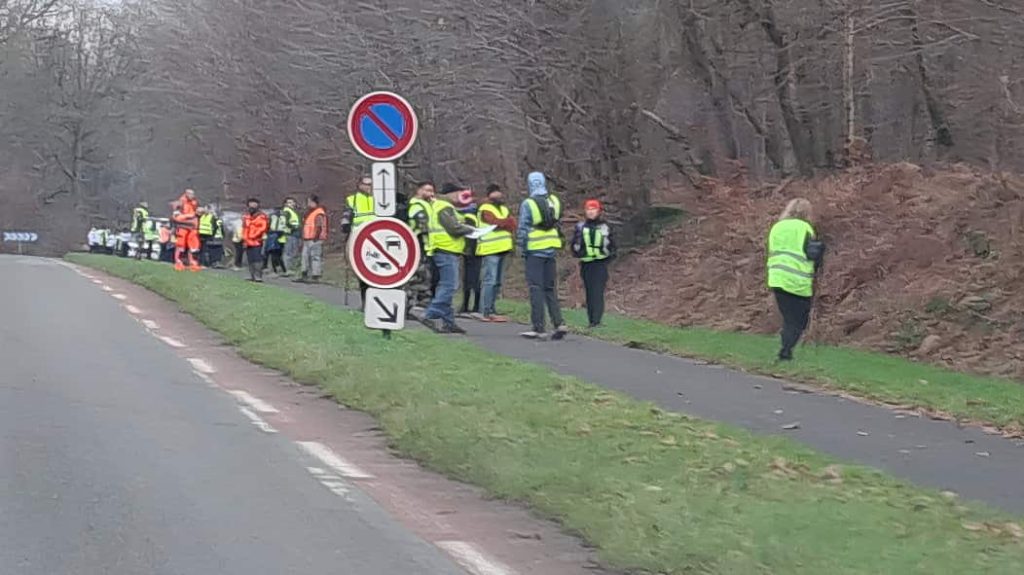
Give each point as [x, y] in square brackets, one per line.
[384, 189]
[21, 237]
[384, 309]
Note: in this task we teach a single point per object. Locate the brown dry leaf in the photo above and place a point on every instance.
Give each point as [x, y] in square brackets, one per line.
[710, 435]
[972, 526]
[670, 441]
[1015, 530]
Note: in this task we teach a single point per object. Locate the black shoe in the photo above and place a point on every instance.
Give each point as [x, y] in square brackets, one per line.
[559, 333]
[453, 329]
[785, 356]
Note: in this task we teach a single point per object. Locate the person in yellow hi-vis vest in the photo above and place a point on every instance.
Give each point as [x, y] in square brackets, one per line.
[448, 241]
[794, 257]
[493, 248]
[358, 211]
[539, 236]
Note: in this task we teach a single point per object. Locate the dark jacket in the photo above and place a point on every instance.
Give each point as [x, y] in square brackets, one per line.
[578, 249]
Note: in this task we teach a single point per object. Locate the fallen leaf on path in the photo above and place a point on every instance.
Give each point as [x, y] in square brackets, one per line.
[791, 426]
[778, 412]
[863, 433]
[982, 453]
[521, 535]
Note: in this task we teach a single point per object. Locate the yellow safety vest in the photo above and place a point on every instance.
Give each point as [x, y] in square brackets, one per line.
[789, 268]
[416, 207]
[593, 244]
[149, 231]
[499, 241]
[362, 209]
[206, 225]
[439, 238]
[139, 213]
[537, 239]
[292, 219]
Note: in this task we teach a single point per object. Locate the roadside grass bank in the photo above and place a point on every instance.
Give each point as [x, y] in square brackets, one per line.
[870, 375]
[654, 491]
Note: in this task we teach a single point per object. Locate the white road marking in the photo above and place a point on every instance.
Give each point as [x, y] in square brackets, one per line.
[119, 296]
[333, 460]
[201, 366]
[133, 310]
[253, 402]
[256, 420]
[208, 380]
[150, 324]
[171, 341]
[336, 484]
[473, 560]
[108, 288]
[97, 282]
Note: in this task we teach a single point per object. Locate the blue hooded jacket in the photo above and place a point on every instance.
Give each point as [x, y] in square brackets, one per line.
[538, 186]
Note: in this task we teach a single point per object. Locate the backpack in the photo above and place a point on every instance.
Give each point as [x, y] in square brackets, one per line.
[548, 221]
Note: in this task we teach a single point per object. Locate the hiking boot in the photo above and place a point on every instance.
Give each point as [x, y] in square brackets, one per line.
[533, 334]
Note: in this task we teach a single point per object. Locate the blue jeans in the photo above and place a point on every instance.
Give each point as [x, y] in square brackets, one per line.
[494, 269]
[448, 271]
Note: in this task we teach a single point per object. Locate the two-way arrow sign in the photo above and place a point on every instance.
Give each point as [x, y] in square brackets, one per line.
[384, 309]
[384, 189]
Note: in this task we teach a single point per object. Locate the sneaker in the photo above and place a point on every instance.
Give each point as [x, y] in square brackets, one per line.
[594, 326]
[179, 267]
[479, 316]
[195, 268]
[497, 319]
[560, 332]
[533, 334]
[300, 280]
[464, 315]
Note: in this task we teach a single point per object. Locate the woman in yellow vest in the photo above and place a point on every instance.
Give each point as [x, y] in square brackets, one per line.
[794, 256]
[592, 243]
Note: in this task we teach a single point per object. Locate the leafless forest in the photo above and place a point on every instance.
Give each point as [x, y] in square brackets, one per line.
[108, 102]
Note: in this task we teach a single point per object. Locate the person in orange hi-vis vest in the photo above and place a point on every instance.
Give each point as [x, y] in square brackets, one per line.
[255, 224]
[186, 220]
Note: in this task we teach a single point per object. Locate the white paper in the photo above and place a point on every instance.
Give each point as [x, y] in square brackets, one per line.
[481, 232]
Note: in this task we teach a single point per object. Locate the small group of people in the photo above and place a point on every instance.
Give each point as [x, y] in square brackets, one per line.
[277, 237]
[455, 231]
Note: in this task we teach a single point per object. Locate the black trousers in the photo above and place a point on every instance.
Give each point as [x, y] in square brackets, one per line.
[541, 275]
[239, 252]
[595, 281]
[254, 255]
[796, 312]
[275, 257]
[362, 292]
[471, 283]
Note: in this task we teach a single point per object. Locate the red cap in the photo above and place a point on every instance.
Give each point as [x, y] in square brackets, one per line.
[592, 204]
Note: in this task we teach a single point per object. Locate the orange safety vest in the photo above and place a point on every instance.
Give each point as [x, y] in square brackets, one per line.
[254, 228]
[309, 226]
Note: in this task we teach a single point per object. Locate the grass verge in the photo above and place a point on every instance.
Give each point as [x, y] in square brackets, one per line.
[654, 491]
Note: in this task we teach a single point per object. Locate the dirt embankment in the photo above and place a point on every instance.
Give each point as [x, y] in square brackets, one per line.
[921, 263]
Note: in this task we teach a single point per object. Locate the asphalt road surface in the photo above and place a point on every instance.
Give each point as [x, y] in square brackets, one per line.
[936, 454]
[116, 458]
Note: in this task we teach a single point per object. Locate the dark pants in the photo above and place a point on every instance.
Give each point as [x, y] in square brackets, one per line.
[239, 252]
[471, 284]
[204, 250]
[167, 252]
[796, 312]
[435, 276]
[595, 280]
[214, 253]
[541, 275]
[254, 255]
[275, 257]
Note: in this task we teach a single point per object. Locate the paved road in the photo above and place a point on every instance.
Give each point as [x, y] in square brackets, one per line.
[115, 458]
[931, 453]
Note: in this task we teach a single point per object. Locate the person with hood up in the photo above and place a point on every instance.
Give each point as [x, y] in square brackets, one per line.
[592, 243]
[794, 257]
[539, 238]
[448, 240]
